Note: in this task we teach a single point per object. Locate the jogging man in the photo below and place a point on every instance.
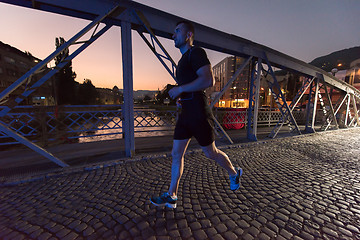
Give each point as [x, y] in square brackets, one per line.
[193, 76]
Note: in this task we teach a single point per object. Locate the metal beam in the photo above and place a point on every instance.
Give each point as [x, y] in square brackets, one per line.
[301, 93]
[293, 104]
[331, 113]
[43, 63]
[309, 109]
[29, 144]
[280, 99]
[355, 121]
[145, 26]
[161, 56]
[38, 68]
[355, 110]
[217, 123]
[162, 25]
[128, 109]
[347, 110]
[254, 101]
[313, 117]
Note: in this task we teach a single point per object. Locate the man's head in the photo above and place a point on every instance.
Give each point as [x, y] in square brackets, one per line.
[183, 34]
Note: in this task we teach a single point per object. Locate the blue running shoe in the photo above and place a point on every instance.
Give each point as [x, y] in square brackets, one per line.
[235, 180]
[164, 200]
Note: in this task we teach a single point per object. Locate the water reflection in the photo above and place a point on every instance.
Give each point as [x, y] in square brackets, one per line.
[145, 126]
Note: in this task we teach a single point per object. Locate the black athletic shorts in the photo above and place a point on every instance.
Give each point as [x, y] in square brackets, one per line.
[198, 124]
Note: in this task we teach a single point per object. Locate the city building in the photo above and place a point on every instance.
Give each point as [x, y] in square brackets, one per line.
[14, 64]
[109, 96]
[353, 74]
[238, 94]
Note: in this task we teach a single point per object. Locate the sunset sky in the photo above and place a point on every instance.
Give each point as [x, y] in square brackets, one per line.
[304, 29]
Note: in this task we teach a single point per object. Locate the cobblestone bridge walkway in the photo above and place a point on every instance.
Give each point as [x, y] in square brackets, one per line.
[305, 187]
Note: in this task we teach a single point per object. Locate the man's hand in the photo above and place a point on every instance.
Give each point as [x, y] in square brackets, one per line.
[175, 92]
[178, 103]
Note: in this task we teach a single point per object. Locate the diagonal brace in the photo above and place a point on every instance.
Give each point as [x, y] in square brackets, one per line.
[355, 110]
[146, 26]
[332, 112]
[43, 63]
[38, 68]
[286, 113]
[36, 148]
[293, 104]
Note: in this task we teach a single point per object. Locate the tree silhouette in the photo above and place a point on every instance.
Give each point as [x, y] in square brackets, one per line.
[87, 93]
[65, 77]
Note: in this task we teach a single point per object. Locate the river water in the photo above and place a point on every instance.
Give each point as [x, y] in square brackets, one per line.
[111, 130]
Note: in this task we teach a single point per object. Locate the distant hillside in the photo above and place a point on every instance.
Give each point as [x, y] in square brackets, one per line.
[345, 57]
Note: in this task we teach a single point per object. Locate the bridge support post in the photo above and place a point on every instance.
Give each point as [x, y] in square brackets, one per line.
[357, 120]
[347, 110]
[309, 128]
[254, 101]
[128, 107]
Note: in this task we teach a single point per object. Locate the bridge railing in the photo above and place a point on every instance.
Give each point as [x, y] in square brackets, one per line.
[44, 124]
[237, 118]
[152, 23]
[66, 124]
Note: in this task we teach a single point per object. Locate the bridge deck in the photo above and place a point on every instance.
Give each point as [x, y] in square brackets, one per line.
[306, 187]
[25, 161]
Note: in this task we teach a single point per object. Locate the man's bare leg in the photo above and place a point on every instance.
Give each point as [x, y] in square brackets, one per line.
[212, 152]
[177, 168]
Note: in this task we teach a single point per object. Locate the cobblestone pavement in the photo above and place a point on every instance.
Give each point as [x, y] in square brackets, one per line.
[305, 187]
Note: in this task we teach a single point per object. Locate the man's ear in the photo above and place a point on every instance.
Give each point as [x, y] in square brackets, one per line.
[189, 35]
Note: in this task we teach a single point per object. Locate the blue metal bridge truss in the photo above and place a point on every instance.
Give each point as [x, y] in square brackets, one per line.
[151, 23]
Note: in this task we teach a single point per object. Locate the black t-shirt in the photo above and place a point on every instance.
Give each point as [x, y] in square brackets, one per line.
[190, 62]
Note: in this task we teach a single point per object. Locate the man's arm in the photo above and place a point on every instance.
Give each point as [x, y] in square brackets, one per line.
[205, 79]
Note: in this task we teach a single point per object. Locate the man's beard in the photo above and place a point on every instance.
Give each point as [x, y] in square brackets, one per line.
[179, 44]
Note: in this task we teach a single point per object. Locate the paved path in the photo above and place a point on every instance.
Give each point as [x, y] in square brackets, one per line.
[305, 187]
